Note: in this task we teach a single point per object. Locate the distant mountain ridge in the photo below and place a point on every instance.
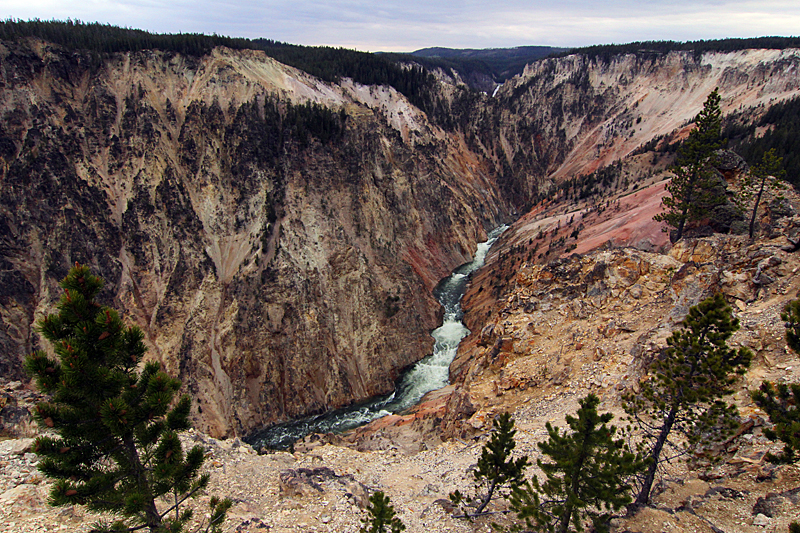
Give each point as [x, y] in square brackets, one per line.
[517, 52]
[500, 63]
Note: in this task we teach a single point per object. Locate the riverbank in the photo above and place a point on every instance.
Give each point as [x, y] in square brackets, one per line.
[429, 374]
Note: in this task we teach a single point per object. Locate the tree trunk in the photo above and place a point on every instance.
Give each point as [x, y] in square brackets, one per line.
[152, 517]
[679, 229]
[755, 207]
[686, 207]
[644, 494]
[486, 500]
[563, 526]
[573, 488]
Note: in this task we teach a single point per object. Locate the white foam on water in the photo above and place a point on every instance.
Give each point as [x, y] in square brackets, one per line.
[429, 374]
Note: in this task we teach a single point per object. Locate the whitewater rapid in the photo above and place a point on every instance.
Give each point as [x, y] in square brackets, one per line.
[430, 373]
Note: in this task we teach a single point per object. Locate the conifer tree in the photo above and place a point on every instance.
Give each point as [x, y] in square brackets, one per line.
[684, 394]
[382, 518]
[781, 401]
[691, 193]
[770, 166]
[791, 319]
[496, 466]
[586, 475]
[116, 448]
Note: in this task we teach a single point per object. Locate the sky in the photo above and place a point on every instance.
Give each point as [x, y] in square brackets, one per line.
[407, 25]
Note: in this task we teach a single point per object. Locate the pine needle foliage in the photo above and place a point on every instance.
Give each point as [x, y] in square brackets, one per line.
[586, 476]
[496, 466]
[382, 517]
[780, 401]
[791, 319]
[691, 192]
[687, 384]
[112, 441]
[769, 171]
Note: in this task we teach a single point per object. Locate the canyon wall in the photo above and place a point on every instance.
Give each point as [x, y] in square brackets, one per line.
[573, 115]
[284, 267]
[276, 273]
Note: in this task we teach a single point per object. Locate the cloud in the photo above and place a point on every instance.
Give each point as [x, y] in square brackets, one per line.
[411, 24]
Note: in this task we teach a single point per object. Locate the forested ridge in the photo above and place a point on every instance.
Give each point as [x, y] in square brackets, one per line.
[465, 110]
[108, 39]
[499, 63]
[325, 62]
[647, 48]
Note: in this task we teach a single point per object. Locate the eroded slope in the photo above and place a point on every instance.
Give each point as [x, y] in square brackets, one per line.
[263, 261]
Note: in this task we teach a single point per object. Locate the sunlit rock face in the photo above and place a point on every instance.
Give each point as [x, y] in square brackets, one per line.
[276, 275]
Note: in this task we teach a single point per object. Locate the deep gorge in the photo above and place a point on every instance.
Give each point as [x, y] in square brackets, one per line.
[280, 256]
[428, 374]
[264, 265]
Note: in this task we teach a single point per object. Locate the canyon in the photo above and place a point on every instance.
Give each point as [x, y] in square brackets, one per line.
[279, 274]
[266, 275]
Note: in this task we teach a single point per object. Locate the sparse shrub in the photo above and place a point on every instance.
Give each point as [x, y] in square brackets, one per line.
[381, 516]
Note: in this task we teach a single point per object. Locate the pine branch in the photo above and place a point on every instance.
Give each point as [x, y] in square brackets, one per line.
[187, 496]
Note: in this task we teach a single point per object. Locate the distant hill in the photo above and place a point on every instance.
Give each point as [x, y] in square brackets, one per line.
[490, 54]
[499, 63]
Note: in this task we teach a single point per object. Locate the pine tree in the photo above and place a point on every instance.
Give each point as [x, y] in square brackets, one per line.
[116, 448]
[691, 191]
[791, 319]
[586, 475]
[781, 401]
[695, 372]
[382, 518]
[496, 466]
[771, 166]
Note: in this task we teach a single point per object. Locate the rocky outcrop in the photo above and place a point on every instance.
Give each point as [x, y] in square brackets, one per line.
[262, 260]
[305, 482]
[594, 322]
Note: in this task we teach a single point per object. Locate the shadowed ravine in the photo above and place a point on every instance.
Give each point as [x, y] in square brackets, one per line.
[428, 374]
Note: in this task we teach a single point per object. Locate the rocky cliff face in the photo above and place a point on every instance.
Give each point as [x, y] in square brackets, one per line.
[279, 255]
[264, 264]
[569, 116]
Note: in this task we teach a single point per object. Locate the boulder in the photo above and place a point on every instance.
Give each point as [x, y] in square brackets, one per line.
[306, 482]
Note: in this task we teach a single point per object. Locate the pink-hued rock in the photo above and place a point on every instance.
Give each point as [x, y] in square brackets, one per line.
[632, 225]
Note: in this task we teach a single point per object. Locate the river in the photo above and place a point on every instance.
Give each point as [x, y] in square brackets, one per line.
[430, 373]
